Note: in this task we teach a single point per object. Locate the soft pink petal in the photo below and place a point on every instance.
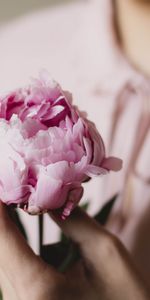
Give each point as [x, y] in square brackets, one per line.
[47, 192]
[92, 171]
[112, 163]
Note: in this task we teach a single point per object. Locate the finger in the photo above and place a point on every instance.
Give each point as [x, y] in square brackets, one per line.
[91, 239]
[18, 262]
[81, 228]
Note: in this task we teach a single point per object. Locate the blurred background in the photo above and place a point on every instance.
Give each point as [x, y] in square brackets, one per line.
[29, 34]
[11, 9]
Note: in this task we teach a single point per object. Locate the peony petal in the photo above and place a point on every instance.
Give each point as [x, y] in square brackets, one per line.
[47, 149]
[47, 192]
[16, 195]
[92, 171]
[32, 126]
[53, 112]
[61, 170]
[112, 163]
[88, 149]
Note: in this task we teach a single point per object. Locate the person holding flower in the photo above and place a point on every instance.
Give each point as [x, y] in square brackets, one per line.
[106, 269]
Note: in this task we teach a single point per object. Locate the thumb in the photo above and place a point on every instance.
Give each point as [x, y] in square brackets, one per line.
[81, 228]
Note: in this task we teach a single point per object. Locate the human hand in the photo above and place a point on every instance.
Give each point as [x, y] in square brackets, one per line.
[105, 270]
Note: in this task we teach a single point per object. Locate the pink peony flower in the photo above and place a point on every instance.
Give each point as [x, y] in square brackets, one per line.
[47, 149]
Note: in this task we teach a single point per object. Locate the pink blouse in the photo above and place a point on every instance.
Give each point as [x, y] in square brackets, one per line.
[77, 44]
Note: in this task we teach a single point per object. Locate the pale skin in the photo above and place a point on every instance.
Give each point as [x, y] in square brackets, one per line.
[133, 22]
[106, 270]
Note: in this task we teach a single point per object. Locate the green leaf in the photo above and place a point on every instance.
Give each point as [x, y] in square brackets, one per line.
[85, 206]
[103, 215]
[1, 298]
